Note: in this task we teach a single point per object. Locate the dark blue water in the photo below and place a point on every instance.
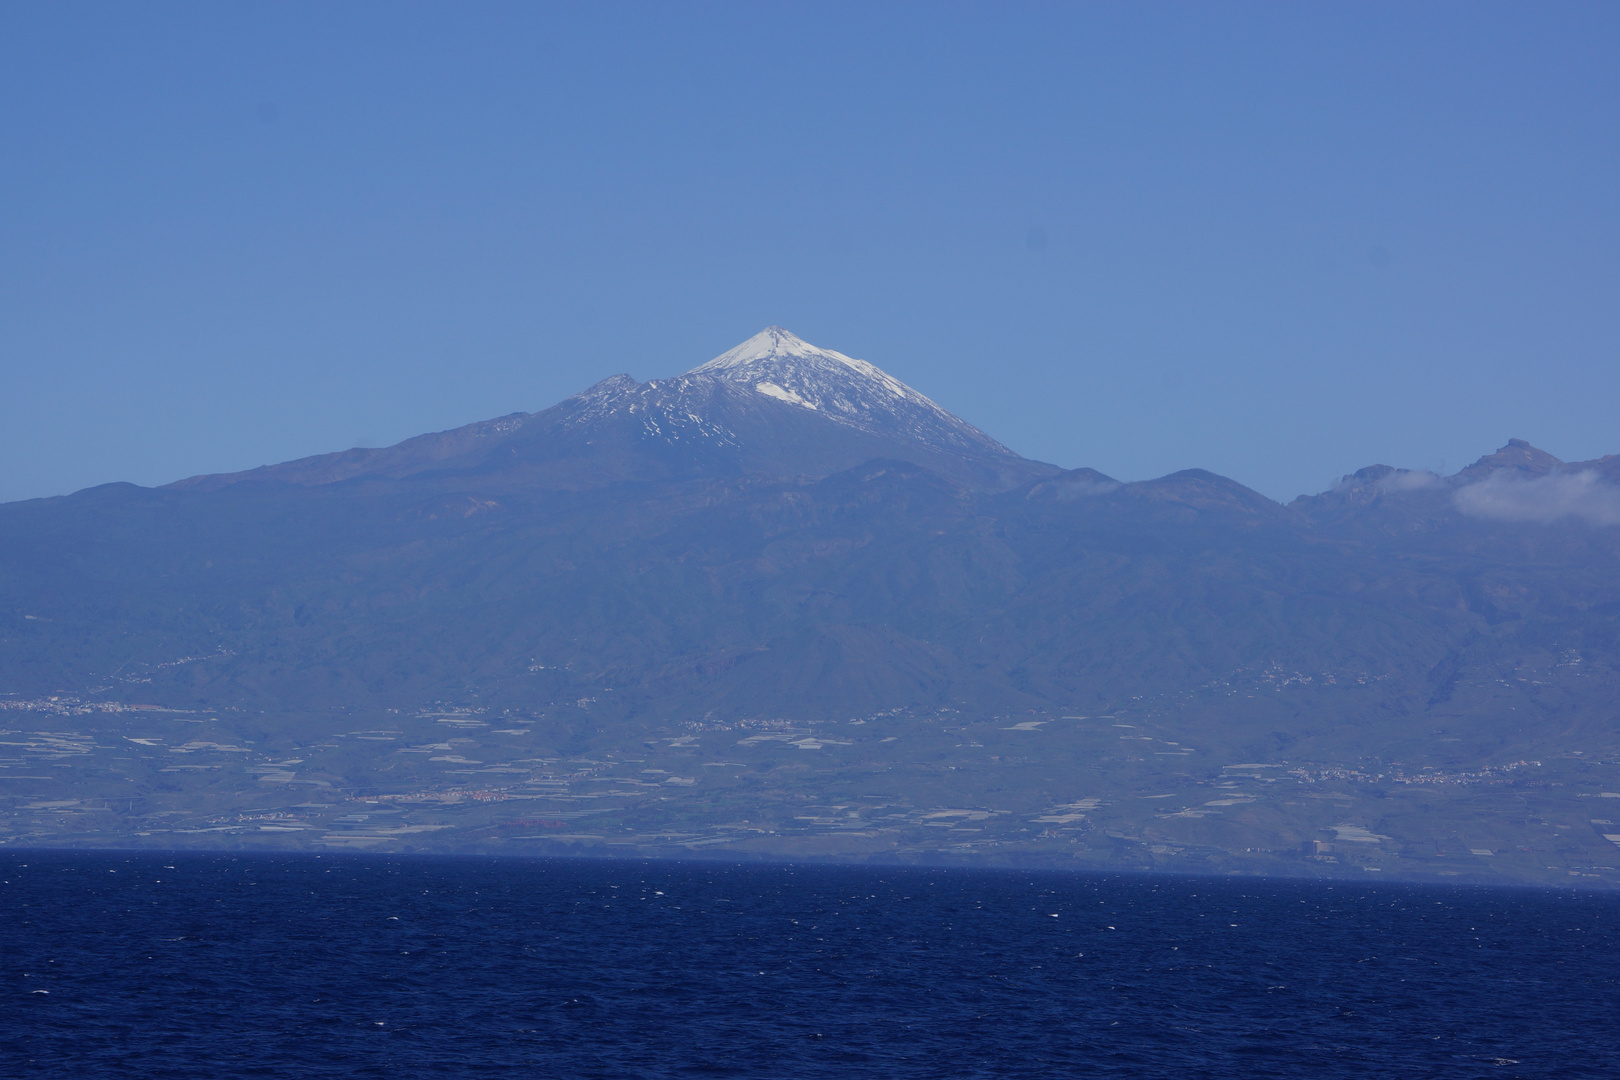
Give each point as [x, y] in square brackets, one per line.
[241, 966]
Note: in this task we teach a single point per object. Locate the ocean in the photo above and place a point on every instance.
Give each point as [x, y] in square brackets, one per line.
[235, 965]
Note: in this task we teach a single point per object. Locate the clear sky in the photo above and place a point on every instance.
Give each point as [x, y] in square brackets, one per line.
[1280, 242]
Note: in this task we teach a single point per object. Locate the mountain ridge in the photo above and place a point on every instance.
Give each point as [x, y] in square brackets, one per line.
[743, 413]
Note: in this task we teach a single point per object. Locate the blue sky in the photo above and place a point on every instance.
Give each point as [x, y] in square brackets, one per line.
[1280, 242]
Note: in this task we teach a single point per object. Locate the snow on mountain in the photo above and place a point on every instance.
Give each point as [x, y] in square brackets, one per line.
[775, 351]
[783, 366]
[778, 405]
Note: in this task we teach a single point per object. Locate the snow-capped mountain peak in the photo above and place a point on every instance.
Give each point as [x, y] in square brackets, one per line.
[773, 341]
[775, 351]
[785, 367]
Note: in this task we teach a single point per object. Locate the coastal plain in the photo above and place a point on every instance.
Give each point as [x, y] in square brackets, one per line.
[1136, 789]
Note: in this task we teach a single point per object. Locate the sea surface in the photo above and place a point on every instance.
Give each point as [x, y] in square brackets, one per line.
[221, 966]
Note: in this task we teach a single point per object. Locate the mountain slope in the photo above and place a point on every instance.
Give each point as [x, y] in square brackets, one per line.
[779, 365]
[739, 593]
[774, 406]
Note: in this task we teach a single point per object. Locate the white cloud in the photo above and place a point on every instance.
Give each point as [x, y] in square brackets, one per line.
[1409, 480]
[1505, 497]
[1386, 478]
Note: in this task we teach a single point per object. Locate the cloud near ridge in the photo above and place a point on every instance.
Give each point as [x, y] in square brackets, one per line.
[1502, 497]
[1410, 480]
